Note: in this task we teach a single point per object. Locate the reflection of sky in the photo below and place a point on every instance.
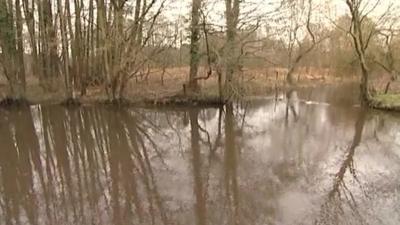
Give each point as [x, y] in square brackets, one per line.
[312, 150]
[323, 145]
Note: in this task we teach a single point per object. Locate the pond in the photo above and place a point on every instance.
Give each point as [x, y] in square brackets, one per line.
[311, 156]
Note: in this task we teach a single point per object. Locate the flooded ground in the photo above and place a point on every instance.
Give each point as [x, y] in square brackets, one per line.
[306, 157]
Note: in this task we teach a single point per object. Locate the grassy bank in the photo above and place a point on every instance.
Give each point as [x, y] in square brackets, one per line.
[389, 102]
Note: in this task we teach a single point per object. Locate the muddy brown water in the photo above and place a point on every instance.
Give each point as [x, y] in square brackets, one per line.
[303, 157]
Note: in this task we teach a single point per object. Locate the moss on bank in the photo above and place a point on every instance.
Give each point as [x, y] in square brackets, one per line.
[386, 102]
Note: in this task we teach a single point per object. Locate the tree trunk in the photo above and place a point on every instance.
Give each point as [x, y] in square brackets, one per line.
[360, 46]
[65, 51]
[289, 76]
[12, 48]
[365, 95]
[140, 30]
[29, 14]
[77, 45]
[48, 44]
[231, 55]
[194, 45]
[20, 50]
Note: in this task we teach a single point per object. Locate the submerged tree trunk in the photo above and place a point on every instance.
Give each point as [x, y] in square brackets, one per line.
[194, 45]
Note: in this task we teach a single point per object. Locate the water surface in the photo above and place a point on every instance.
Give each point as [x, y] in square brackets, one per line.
[307, 157]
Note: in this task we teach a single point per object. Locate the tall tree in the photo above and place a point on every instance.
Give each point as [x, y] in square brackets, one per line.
[361, 39]
[49, 45]
[65, 50]
[389, 61]
[232, 11]
[29, 14]
[194, 45]
[11, 43]
[298, 10]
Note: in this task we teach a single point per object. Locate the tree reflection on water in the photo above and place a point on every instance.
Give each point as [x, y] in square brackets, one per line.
[241, 164]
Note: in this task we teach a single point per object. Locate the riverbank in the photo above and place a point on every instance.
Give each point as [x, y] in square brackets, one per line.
[389, 102]
[207, 96]
[155, 90]
[158, 89]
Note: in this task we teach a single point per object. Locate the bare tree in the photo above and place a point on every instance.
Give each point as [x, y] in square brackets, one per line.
[298, 45]
[388, 60]
[65, 50]
[12, 56]
[194, 45]
[232, 11]
[362, 35]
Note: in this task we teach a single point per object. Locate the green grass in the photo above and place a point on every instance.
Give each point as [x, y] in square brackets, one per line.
[387, 100]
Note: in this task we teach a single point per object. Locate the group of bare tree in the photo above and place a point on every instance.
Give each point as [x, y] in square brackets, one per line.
[77, 44]
[366, 35]
[363, 31]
